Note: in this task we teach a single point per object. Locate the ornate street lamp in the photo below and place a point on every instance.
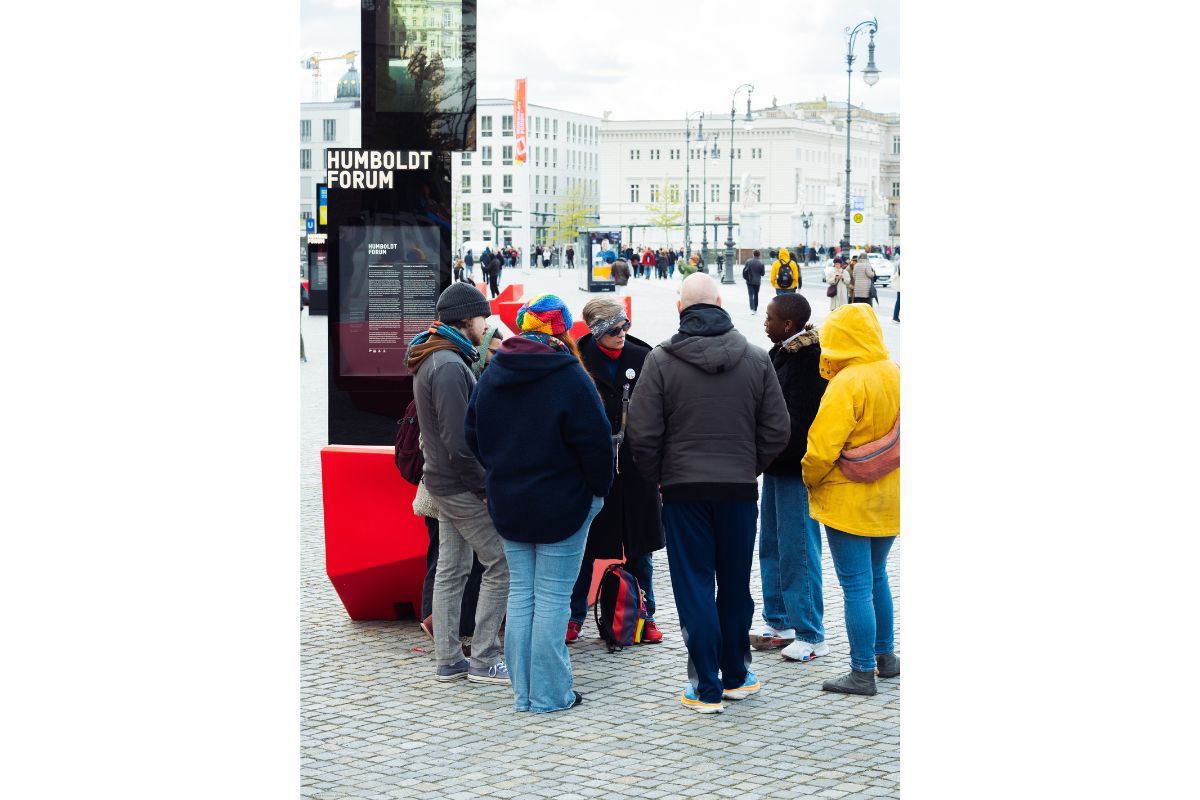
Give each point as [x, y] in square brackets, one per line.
[870, 76]
[806, 220]
[727, 275]
[687, 176]
[704, 229]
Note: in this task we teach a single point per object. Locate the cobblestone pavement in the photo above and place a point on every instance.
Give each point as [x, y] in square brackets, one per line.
[376, 725]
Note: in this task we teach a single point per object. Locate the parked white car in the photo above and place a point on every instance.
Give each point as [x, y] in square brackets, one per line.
[883, 269]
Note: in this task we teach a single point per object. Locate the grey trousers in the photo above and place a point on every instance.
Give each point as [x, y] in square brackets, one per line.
[466, 529]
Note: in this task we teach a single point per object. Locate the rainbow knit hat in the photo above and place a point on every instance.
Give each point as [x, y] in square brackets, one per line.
[546, 313]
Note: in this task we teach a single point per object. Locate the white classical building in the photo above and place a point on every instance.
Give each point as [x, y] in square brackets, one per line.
[563, 164]
[337, 124]
[790, 161]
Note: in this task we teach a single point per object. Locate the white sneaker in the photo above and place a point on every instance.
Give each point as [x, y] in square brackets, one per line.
[767, 638]
[803, 651]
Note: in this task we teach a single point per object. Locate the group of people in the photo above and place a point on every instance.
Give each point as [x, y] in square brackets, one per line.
[543, 454]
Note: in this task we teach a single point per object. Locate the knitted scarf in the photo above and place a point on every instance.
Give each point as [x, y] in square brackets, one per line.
[449, 338]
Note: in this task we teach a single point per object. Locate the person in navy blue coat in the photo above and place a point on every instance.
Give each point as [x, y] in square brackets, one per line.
[536, 424]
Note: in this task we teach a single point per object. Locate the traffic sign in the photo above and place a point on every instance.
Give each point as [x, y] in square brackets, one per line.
[858, 218]
[860, 204]
[310, 225]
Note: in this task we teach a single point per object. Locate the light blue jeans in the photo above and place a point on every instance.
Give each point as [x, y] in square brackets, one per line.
[539, 604]
[789, 559]
[861, 564]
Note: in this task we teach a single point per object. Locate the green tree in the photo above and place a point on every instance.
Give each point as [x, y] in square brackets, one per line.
[667, 212]
[574, 212]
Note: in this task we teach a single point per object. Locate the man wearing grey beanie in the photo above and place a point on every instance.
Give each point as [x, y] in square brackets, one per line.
[440, 361]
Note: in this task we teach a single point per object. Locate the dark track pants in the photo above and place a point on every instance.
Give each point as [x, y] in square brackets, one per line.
[707, 543]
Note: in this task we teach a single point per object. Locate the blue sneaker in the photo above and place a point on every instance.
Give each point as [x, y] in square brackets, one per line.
[690, 700]
[752, 685]
[496, 673]
[450, 672]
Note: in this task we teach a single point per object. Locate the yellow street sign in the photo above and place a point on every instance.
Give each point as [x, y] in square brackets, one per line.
[858, 218]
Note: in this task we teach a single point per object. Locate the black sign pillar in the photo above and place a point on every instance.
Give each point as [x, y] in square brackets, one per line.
[389, 229]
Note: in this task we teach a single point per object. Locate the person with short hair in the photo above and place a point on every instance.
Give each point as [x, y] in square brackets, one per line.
[753, 273]
[863, 277]
[629, 526]
[789, 545]
[440, 361]
[536, 424]
[707, 466]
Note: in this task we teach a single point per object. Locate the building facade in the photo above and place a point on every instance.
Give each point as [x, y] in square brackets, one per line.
[789, 161]
[322, 126]
[561, 175]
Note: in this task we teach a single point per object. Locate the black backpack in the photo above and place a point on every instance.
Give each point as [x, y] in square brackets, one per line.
[784, 277]
[409, 458]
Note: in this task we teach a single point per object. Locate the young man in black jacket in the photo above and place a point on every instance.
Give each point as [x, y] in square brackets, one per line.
[789, 547]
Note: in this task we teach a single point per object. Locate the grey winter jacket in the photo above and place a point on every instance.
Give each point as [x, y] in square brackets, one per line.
[442, 386]
[707, 416]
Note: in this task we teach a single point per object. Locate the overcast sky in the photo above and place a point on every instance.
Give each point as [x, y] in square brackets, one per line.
[651, 60]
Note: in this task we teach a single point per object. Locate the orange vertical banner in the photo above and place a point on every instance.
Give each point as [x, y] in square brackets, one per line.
[519, 121]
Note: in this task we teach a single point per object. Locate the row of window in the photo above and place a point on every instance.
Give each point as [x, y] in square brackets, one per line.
[696, 153]
[542, 157]
[328, 130]
[672, 192]
[542, 184]
[487, 213]
[583, 134]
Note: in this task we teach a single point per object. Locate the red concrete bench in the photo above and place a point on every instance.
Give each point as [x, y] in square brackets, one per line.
[374, 544]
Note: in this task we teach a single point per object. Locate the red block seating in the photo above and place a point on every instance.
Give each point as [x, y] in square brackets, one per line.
[374, 545]
[509, 294]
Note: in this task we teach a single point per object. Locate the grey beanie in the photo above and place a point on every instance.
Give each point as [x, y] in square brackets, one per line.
[462, 301]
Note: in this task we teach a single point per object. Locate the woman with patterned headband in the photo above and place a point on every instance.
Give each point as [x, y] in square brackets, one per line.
[536, 424]
[629, 526]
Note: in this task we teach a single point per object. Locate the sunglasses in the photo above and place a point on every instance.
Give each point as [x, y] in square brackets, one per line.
[619, 328]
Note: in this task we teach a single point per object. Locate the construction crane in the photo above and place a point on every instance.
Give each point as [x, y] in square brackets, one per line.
[313, 62]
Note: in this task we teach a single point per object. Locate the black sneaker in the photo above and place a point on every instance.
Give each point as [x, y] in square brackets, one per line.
[578, 699]
[853, 682]
[888, 665]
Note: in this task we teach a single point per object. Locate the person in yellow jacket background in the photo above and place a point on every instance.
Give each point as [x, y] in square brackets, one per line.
[786, 286]
[862, 520]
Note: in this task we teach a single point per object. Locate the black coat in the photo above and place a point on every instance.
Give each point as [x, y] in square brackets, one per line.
[632, 514]
[803, 387]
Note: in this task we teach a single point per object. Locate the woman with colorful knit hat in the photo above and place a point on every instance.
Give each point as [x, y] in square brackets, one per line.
[629, 526]
[536, 424]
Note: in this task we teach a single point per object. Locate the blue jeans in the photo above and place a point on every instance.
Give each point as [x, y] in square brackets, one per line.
[789, 559]
[861, 565]
[539, 597]
[709, 542]
[641, 568]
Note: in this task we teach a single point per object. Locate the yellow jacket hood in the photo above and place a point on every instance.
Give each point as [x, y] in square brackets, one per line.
[850, 335]
[784, 255]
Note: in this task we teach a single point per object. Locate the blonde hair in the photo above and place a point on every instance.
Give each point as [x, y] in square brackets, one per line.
[601, 308]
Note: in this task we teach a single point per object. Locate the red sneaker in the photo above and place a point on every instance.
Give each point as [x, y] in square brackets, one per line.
[573, 629]
[650, 633]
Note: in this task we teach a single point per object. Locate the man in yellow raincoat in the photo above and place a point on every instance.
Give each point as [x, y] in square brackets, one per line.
[860, 405]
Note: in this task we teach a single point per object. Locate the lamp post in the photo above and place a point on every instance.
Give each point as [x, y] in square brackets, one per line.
[870, 76]
[806, 220]
[687, 176]
[727, 276]
[704, 197]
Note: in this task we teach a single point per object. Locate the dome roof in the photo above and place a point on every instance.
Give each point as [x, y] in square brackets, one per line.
[348, 87]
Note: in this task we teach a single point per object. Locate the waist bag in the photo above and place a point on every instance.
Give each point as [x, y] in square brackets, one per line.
[873, 460]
